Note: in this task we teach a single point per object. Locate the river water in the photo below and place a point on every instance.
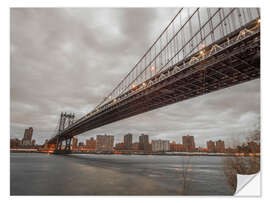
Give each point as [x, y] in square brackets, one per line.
[93, 174]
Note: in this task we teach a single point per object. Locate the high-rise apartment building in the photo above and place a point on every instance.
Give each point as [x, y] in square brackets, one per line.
[211, 146]
[105, 143]
[128, 141]
[74, 143]
[220, 146]
[189, 144]
[143, 142]
[27, 138]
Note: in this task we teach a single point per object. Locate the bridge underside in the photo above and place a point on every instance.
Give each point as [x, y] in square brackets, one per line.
[235, 64]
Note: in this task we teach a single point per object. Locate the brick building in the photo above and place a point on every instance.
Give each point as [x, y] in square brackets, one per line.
[160, 145]
[120, 146]
[105, 143]
[128, 141]
[143, 142]
[91, 144]
[211, 146]
[176, 147]
[14, 143]
[253, 147]
[135, 146]
[220, 146]
[74, 143]
[189, 144]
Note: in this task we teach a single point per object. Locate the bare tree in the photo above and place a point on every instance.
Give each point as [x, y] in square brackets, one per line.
[243, 165]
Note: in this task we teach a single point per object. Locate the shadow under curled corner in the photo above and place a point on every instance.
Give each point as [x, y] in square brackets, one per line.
[248, 185]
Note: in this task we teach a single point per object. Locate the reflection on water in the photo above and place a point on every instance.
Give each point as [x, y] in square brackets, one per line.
[89, 174]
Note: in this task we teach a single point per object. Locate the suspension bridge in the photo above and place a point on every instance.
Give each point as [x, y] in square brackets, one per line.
[200, 51]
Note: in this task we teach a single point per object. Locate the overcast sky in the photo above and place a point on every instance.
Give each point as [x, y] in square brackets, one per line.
[70, 59]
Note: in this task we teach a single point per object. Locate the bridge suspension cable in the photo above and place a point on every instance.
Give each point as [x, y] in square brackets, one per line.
[190, 31]
[201, 50]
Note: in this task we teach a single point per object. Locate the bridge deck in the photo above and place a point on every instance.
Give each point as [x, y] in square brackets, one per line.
[233, 60]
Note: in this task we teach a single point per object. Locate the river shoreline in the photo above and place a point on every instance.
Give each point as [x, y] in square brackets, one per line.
[142, 153]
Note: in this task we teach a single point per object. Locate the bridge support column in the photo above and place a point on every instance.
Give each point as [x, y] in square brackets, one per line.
[70, 140]
[59, 150]
[59, 143]
[68, 143]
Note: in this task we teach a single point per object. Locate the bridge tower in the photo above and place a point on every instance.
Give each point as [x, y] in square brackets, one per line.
[66, 119]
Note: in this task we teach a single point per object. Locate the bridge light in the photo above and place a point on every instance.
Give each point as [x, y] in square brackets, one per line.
[259, 20]
[202, 53]
[144, 84]
[202, 49]
[114, 100]
[133, 86]
[202, 46]
[153, 68]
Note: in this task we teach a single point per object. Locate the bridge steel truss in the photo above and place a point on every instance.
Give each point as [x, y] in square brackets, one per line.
[209, 66]
[65, 121]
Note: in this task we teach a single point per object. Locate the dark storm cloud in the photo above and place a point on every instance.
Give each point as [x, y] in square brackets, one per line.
[70, 59]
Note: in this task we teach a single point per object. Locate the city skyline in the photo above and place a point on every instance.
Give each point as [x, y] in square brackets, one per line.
[205, 145]
[127, 141]
[230, 114]
[105, 144]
